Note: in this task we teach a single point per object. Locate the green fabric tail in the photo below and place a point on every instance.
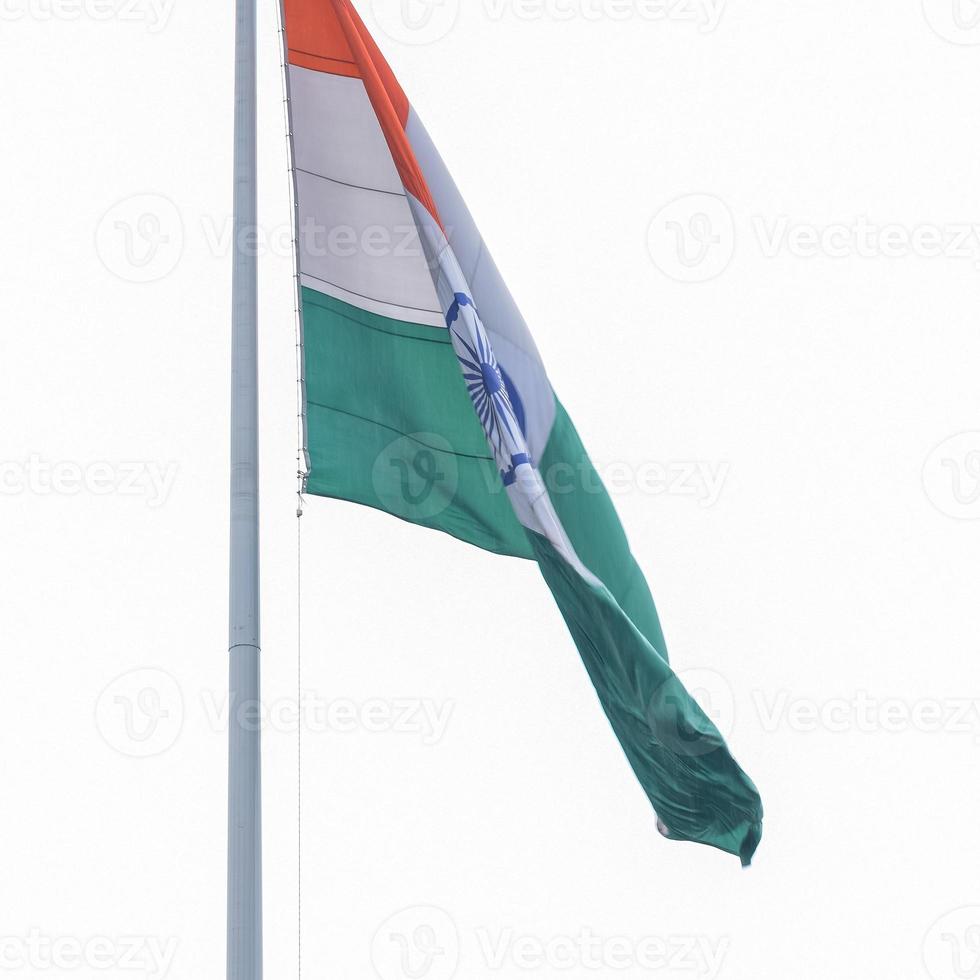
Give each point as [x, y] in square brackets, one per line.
[679, 757]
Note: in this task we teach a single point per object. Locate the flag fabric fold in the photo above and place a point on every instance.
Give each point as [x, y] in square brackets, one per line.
[426, 397]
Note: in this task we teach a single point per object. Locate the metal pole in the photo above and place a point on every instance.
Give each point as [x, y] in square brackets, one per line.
[244, 761]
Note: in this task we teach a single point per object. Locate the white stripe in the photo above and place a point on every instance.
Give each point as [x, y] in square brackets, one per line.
[336, 131]
[428, 319]
[364, 241]
[356, 237]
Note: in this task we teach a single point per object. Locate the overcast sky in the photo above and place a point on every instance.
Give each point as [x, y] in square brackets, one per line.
[745, 238]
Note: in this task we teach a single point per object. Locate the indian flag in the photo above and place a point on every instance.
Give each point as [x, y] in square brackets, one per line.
[426, 397]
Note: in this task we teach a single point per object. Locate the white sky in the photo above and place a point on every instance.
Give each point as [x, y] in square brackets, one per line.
[819, 576]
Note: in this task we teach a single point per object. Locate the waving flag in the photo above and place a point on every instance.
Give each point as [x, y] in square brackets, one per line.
[426, 397]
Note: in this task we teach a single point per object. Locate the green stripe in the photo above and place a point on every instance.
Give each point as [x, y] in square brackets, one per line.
[680, 759]
[390, 425]
[678, 755]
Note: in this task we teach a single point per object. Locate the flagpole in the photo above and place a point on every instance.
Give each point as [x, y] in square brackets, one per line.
[244, 761]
